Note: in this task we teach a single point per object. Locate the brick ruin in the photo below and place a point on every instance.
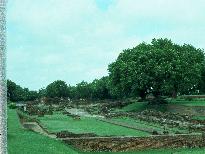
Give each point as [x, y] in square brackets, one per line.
[119, 144]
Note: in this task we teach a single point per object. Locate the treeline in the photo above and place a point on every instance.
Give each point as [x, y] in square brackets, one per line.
[17, 93]
[158, 68]
[98, 89]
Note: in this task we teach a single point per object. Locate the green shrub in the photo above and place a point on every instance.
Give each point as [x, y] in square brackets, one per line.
[189, 99]
[12, 105]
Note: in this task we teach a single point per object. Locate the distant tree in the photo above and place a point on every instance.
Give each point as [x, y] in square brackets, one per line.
[42, 92]
[100, 88]
[83, 90]
[57, 89]
[33, 95]
[73, 92]
[11, 87]
[17, 93]
[14, 92]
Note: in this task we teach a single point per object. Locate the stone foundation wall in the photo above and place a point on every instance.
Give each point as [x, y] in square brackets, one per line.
[115, 144]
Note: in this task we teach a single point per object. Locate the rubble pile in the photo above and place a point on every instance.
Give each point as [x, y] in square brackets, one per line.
[120, 144]
[38, 110]
[171, 119]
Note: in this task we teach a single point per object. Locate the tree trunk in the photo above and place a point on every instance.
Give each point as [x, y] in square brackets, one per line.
[142, 94]
[174, 94]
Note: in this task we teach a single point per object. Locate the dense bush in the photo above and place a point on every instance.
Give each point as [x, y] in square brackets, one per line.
[12, 105]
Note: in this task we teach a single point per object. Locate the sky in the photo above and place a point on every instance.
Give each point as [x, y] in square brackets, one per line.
[75, 40]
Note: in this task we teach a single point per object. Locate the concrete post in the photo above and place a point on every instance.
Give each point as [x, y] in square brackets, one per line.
[3, 89]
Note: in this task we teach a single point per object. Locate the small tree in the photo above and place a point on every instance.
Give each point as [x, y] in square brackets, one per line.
[83, 90]
[100, 88]
[57, 89]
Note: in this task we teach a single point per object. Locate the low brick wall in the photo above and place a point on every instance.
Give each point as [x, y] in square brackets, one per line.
[115, 144]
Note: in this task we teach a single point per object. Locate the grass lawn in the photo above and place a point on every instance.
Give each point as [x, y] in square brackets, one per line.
[188, 103]
[199, 117]
[140, 106]
[144, 124]
[21, 141]
[58, 122]
[137, 106]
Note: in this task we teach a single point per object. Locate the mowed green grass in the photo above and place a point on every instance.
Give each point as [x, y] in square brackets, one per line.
[194, 102]
[140, 106]
[199, 117]
[144, 124]
[59, 122]
[21, 141]
[136, 106]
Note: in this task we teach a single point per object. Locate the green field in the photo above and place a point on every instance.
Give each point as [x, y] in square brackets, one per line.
[199, 117]
[21, 141]
[136, 106]
[194, 102]
[148, 125]
[59, 122]
[140, 106]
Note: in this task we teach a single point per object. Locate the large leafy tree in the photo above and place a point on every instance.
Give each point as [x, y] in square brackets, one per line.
[201, 86]
[160, 67]
[57, 89]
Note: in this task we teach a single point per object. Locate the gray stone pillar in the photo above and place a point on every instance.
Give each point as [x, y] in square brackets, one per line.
[3, 92]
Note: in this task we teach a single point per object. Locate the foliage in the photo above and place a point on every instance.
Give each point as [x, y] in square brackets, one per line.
[17, 93]
[100, 88]
[157, 68]
[160, 68]
[42, 92]
[57, 89]
[12, 105]
[83, 90]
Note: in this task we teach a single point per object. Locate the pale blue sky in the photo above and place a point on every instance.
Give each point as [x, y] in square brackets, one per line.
[75, 40]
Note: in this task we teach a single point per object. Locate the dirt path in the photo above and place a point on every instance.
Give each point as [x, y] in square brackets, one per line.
[83, 113]
[34, 126]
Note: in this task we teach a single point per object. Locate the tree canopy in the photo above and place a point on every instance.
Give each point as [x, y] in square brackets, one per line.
[17, 93]
[57, 89]
[160, 67]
